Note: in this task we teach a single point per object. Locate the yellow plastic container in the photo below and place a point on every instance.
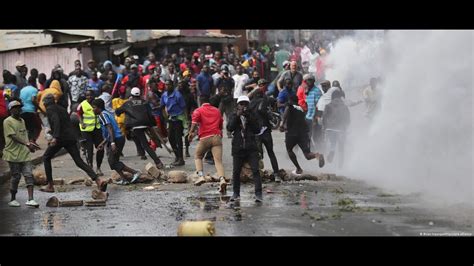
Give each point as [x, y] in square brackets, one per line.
[196, 228]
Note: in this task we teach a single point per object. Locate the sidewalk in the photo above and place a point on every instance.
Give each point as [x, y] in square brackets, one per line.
[36, 158]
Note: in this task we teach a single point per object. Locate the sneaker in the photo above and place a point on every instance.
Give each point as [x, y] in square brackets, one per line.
[295, 172]
[222, 186]
[235, 197]
[258, 198]
[143, 157]
[180, 162]
[200, 181]
[32, 203]
[321, 161]
[277, 178]
[14, 203]
[122, 182]
[99, 172]
[187, 154]
[330, 156]
[135, 177]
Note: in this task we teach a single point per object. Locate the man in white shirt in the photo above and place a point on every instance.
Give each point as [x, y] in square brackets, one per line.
[240, 79]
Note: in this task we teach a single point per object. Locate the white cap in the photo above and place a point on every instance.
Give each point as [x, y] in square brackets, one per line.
[243, 98]
[13, 104]
[19, 63]
[135, 91]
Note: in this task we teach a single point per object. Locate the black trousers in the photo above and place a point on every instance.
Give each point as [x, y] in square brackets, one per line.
[238, 161]
[267, 140]
[114, 157]
[94, 138]
[175, 137]
[71, 148]
[139, 137]
[33, 125]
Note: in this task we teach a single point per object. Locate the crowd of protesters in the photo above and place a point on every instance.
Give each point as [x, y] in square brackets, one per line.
[156, 102]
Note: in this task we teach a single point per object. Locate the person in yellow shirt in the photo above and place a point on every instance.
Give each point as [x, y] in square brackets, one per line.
[117, 103]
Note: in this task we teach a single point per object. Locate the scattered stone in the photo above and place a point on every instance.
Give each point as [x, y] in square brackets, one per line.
[39, 177]
[431, 223]
[99, 195]
[76, 181]
[58, 182]
[55, 202]
[177, 176]
[153, 171]
[95, 203]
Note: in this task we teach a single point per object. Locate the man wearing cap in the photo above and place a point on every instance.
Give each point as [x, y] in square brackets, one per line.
[17, 153]
[175, 106]
[21, 72]
[244, 146]
[138, 117]
[63, 136]
[313, 94]
[133, 79]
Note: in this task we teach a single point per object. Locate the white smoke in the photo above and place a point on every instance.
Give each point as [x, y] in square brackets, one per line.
[421, 139]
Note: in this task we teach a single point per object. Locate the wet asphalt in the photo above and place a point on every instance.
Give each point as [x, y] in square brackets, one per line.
[341, 207]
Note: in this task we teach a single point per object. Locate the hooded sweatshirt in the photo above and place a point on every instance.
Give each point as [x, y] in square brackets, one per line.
[54, 89]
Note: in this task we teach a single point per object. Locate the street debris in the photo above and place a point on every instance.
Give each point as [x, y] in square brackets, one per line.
[177, 176]
[39, 178]
[153, 171]
[94, 203]
[76, 181]
[55, 202]
[99, 195]
[196, 228]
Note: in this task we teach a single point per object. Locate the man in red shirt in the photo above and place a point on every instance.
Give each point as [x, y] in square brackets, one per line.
[210, 123]
[301, 94]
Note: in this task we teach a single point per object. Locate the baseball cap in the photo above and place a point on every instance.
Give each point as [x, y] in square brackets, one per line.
[243, 98]
[135, 57]
[135, 91]
[262, 81]
[13, 104]
[133, 66]
[19, 63]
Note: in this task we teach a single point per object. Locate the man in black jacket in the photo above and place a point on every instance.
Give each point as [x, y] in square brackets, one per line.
[259, 107]
[138, 117]
[244, 146]
[63, 137]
